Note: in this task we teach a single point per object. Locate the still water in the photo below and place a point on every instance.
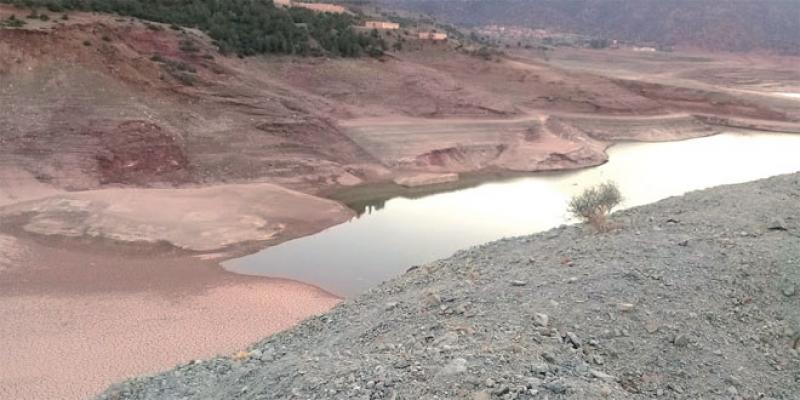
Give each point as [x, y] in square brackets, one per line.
[351, 257]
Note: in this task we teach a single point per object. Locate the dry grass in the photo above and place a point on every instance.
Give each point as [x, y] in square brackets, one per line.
[595, 203]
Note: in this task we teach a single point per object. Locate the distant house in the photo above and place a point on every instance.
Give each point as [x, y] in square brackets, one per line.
[284, 3]
[321, 7]
[433, 36]
[381, 25]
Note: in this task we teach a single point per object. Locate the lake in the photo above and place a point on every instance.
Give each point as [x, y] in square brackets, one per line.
[401, 232]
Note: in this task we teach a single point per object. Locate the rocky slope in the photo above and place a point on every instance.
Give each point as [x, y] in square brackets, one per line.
[692, 297]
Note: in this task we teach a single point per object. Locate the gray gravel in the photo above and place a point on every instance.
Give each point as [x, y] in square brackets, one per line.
[694, 297]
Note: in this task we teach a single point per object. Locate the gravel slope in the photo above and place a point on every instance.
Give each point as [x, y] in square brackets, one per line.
[692, 297]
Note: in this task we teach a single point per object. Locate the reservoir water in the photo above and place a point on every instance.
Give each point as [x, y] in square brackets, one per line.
[349, 258]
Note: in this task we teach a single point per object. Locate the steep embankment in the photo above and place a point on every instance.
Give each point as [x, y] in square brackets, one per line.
[692, 297]
[97, 100]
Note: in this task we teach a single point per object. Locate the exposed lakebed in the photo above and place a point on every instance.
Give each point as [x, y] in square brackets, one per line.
[386, 240]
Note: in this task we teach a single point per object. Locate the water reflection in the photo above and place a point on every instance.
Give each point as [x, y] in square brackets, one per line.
[395, 233]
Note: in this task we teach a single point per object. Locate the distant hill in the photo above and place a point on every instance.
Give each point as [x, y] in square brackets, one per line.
[730, 25]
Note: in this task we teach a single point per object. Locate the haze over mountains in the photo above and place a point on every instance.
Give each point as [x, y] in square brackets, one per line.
[730, 25]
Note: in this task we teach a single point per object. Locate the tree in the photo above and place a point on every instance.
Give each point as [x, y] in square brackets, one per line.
[243, 27]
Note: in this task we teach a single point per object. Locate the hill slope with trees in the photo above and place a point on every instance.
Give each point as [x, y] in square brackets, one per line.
[239, 26]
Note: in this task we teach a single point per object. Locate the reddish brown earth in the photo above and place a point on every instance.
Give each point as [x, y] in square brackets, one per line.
[129, 110]
[249, 143]
[79, 316]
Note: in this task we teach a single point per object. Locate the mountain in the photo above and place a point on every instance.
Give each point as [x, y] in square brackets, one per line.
[728, 25]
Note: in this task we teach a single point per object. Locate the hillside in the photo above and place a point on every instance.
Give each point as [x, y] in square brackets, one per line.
[692, 297]
[97, 99]
[731, 25]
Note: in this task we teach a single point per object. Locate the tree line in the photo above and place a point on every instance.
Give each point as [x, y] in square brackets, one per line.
[242, 27]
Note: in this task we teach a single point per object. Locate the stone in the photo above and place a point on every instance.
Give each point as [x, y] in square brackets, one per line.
[448, 339]
[680, 340]
[256, 354]
[789, 290]
[540, 369]
[556, 387]
[777, 224]
[541, 319]
[652, 326]
[518, 283]
[390, 305]
[683, 243]
[533, 382]
[625, 307]
[501, 390]
[455, 366]
[602, 376]
[481, 395]
[573, 338]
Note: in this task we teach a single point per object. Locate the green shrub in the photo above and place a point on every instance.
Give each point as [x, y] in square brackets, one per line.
[595, 203]
[188, 46]
[185, 78]
[13, 22]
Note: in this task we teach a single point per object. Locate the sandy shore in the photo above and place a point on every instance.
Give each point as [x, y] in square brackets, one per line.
[78, 317]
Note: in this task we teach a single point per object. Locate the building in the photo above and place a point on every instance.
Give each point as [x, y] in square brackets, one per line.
[381, 25]
[433, 36]
[282, 3]
[321, 7]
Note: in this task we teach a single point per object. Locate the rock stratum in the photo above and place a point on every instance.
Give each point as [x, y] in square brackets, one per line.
[692, 297]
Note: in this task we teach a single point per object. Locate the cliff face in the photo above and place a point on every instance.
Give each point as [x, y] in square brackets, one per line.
[734, 25]
[692, 297]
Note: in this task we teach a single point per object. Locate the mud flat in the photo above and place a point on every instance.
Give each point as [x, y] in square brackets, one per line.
[80, 316]
[196, 219]
[98, 286]
[692, 297]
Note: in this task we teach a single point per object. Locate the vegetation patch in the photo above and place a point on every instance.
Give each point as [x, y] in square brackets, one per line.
[12, 22]
[243, 27]
[181, 71]
[595, 203]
